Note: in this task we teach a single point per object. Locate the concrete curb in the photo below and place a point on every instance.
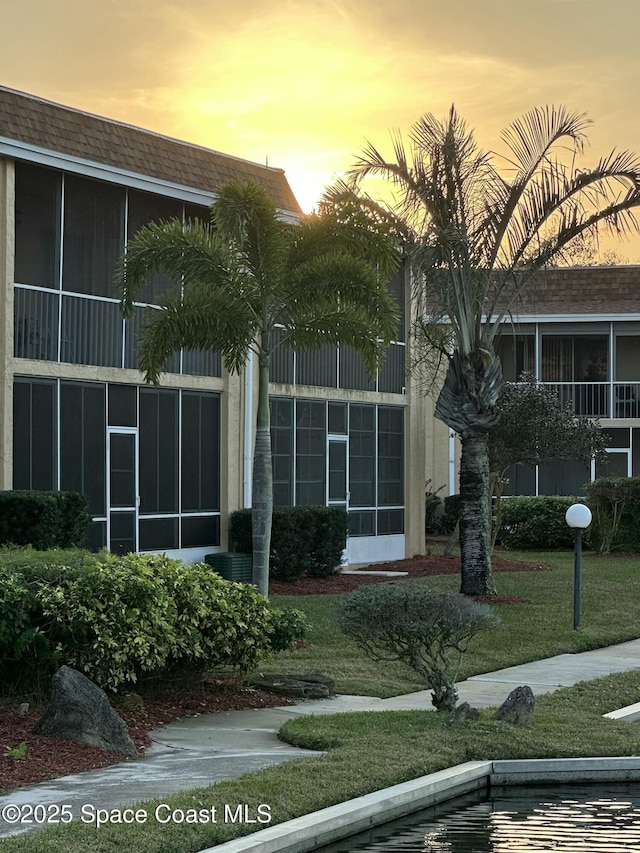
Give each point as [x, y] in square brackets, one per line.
[317, 829]
[309, 832]
[628, 714]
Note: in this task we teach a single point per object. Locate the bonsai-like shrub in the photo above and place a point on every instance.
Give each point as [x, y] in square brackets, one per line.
[428, 630]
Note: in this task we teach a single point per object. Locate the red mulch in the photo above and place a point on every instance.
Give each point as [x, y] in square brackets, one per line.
[48, 758]
[419, 566]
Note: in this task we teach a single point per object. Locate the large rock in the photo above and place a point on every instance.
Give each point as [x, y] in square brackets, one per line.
[517, 708]
[462, 714]
[313, 685]
[80, 711]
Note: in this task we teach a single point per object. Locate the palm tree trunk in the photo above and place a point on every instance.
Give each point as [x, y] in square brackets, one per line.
[262, 490]
[475, 532]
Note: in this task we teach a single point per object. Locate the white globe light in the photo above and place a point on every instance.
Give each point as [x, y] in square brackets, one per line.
[579, 516]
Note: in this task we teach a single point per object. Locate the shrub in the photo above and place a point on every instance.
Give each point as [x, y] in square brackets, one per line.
[535, 523]
[426, 629]
[118, 618]
[615, 504]
[289, 625]
[305, 539]
[43, 519]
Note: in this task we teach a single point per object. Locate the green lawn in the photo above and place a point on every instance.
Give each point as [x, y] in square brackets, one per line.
[610, 613]
[366, 752]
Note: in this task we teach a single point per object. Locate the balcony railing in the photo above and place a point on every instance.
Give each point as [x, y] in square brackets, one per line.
[600, 399]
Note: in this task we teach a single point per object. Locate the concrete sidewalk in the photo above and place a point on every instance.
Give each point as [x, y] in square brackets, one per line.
[198, 751]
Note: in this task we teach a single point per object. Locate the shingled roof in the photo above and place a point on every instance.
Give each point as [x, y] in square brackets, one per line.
[583, 290]
[55, 127]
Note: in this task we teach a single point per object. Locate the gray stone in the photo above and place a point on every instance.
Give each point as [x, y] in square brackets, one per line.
[80, 711]
[312, 685]
[462, 714]
[517, 708]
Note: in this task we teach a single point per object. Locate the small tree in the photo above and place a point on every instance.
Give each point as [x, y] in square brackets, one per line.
[428, 630]
[250, 282]
[535, 427]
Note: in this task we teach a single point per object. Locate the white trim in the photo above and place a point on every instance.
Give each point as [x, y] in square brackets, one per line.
[571, 318]
[103, 172]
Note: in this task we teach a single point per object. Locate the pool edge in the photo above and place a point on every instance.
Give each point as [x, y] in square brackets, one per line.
[309, 832]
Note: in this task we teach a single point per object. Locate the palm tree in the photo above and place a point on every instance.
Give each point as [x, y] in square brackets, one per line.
[477, 234]
[246, 275]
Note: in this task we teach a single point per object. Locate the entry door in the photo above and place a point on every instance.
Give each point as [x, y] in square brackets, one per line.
[122, 533]
[337, 474]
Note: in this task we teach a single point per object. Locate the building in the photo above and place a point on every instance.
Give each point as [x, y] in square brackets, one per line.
[578, 330]
[162, 468]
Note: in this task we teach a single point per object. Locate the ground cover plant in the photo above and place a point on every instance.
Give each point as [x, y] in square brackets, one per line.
[365, 752]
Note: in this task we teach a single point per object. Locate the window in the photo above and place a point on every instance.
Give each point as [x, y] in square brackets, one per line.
[82, 442]
[144, 208]
[93, 235]
[311, 444]
[390, 456]
[362, 455]
[200, 452]
[282, 451]
[37, 248]
[34, 434]
[158, 449]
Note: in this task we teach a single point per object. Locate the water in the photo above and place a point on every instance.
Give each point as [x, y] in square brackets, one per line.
[563, 819]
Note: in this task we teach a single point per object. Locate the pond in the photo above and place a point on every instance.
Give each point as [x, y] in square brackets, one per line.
[598, 818]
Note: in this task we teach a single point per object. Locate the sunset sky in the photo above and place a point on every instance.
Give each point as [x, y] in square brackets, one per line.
[303, 84]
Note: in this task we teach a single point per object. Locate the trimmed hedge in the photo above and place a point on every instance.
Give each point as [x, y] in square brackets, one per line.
[304, 540]
[535, 523]
[43, 519]
[528, 522]
[119, 618]
[615, 505]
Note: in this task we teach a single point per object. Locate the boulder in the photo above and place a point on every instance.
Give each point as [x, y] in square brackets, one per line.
[80, 711]
[313, 685]
[517, 708]
[462, 714]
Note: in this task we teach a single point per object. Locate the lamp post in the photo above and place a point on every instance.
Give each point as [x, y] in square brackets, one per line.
[578, 517]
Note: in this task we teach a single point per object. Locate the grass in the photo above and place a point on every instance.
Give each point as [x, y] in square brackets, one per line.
[366, 752]
[542, 628]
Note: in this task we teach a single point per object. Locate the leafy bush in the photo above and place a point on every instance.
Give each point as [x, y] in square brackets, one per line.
[116, 618]
[615, 504]
[304, 539]
[426, 629]
[43, 519]
[289, 625]
[535, 523]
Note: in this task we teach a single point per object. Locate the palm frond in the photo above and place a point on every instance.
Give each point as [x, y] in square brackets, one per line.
[182, 252]
[245, 216]
[197, 318]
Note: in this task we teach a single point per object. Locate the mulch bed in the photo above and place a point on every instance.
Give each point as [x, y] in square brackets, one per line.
[422, 565]
[48, 758]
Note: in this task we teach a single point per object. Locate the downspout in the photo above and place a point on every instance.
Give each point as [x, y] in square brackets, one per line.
[248, 432]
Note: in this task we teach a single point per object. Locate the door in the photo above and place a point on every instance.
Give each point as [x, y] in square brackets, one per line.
[337, 476]
[123, 499]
